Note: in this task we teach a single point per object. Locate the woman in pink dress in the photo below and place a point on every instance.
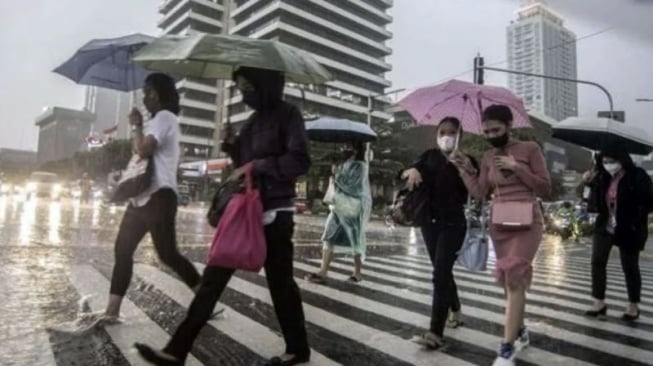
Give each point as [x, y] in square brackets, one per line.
[515, 171]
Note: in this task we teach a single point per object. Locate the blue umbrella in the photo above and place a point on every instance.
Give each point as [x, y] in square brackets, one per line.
[107, 63]
[329, 129]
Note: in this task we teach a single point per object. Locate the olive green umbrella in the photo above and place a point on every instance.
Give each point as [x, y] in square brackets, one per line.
[218, 56]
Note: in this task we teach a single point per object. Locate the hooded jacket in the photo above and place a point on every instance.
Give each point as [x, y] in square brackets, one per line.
[273, 139]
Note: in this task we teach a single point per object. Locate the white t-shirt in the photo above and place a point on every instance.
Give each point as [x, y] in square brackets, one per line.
[164, 127]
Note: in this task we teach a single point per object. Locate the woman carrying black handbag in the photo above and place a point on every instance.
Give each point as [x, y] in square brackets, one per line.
[444, 226]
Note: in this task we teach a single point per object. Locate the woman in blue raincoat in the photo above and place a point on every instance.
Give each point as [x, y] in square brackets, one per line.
[350, 201]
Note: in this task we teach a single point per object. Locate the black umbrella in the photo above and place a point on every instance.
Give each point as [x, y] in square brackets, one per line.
[597, 133]
[329, 129]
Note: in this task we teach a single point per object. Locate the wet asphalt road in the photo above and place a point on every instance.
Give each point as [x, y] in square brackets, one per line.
[45, 245]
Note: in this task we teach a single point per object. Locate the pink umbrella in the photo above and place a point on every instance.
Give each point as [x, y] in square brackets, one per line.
[463, 100]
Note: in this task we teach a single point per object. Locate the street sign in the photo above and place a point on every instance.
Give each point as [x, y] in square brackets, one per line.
[616, 115]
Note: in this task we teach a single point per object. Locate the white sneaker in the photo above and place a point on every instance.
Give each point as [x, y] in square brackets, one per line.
[523, 339]
[506, 356]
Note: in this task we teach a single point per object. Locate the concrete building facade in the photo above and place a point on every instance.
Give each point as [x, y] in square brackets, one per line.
[62, 133]
[348, 37]
[198, 96]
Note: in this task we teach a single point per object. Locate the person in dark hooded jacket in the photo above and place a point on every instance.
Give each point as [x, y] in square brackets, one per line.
[622, 195]
[275, 143]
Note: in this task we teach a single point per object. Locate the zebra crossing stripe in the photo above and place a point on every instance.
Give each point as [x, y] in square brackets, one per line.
[240, 328]
[561, 315]
[365, 304]
[545, 271]
[569, 264]
[138, 327]
[464, 334]
[545, 294]
[582, 340]
[384, 342]
[25, 346]
[614, 263]
[538, 283]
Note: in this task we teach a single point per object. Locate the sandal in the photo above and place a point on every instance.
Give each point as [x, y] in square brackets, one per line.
[315, 278]
[454, 322]
[354, 279]
[429, 341]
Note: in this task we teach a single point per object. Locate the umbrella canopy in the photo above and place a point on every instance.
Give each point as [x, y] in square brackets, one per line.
[218, 56]
[463, 100]
[597, 133]
[329, 129]
[107, 63]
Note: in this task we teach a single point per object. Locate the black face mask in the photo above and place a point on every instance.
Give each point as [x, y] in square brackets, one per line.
[499, 141]
[252, 99]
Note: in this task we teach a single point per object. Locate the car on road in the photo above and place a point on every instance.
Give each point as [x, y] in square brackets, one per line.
[45, 185]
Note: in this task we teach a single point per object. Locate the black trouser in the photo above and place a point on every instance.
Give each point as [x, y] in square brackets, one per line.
[158, 218]
[443, 241]
[283, 290]
[629, 264]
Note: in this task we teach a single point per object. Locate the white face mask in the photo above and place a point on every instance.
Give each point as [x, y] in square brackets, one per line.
[446, 143]
[612, 168]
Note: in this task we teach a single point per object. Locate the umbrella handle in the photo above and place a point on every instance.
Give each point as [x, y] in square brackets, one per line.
[458, 136]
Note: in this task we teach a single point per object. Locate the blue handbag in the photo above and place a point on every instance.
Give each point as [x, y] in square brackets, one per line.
[475, 250]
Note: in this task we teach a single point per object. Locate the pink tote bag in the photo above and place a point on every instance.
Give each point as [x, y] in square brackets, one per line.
[239, 241]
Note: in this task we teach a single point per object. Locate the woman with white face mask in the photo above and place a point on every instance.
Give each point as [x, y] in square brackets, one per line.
[622, 195]
[445, 227]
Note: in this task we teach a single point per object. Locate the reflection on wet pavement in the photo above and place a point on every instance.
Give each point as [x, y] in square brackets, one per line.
[44, 244]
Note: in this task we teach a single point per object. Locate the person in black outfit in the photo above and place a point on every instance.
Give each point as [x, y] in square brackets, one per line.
[445, 227]
[275, 142]
[622, 195]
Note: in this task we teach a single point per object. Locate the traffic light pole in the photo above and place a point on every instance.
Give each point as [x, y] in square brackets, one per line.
[479, 68]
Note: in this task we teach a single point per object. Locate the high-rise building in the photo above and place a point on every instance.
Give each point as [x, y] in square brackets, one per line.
[198, 96]
[538, 42]
[347, 37]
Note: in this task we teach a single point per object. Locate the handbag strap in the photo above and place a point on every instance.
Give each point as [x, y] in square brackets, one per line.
[249, 184]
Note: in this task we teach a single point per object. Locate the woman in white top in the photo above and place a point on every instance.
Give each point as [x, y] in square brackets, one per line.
[155, 210]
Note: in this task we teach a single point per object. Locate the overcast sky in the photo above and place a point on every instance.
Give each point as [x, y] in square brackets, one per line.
[433, 40]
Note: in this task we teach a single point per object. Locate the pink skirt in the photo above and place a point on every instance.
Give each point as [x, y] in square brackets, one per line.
[515, 251]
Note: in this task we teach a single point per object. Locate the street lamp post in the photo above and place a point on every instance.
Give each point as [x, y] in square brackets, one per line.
[479, 66]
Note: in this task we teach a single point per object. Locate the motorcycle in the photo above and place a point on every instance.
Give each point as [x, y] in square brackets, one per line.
[565, 226]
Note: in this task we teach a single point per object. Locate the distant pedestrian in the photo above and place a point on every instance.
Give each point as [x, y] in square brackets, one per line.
[622, 195]
[155, 210]
[445, 227]
[351, 206]
[86, 188]
[516, 172]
